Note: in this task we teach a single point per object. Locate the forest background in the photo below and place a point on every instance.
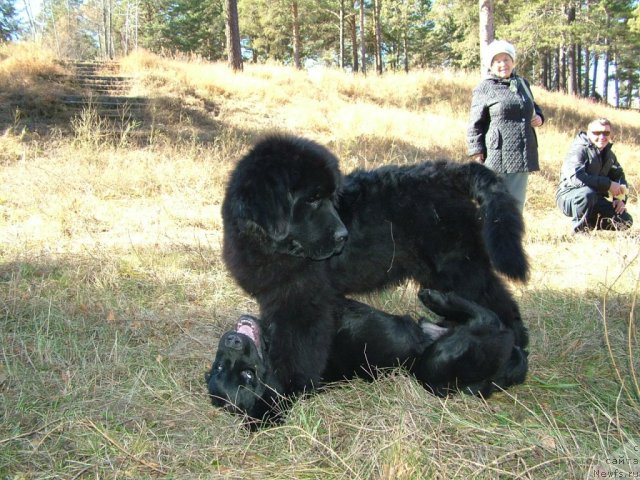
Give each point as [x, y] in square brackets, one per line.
[589, 48]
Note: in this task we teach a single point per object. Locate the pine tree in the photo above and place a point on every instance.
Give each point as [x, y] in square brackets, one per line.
[9, 23]
[234, 53]
[183, 26]
[487, 30]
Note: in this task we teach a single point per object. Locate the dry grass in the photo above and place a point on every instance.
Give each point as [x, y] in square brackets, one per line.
[113, 294]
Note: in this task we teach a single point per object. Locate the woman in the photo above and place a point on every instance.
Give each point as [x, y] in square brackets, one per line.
[503, 115]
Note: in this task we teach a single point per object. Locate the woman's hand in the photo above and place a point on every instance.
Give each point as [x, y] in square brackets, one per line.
[478, 157]
[536, 121]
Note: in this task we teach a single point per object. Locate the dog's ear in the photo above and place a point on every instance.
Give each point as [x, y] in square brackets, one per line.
[261, 205]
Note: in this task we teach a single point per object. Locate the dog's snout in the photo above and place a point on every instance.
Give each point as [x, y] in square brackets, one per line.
[233, 341]
[341, 235]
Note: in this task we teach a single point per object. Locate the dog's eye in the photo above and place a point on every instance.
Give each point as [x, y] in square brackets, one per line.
[315, 201]
[247, 375]
[314, 198]
[217, 368]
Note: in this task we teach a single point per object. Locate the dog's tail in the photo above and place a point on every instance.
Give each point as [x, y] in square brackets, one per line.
[503, 226]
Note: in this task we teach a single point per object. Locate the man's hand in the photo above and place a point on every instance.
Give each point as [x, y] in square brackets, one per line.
[616, 189]
[619, 206]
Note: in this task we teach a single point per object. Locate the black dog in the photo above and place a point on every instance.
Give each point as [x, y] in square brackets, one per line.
[476, 356]
[298, 236]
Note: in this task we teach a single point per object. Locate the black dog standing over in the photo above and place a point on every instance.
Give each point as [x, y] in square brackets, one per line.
[297, 236]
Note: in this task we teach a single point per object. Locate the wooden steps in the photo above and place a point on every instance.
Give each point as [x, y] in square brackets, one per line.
[98, 88]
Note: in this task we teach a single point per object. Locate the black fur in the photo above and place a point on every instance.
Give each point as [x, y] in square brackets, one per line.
[287, 213]
[476, 356]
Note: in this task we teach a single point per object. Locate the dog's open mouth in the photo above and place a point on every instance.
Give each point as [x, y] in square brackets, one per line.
[249, 327]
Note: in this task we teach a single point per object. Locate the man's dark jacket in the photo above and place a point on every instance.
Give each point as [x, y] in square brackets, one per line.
[586, 166]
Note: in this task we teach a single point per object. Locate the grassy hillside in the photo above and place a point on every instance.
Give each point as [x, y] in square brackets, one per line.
[113, 294]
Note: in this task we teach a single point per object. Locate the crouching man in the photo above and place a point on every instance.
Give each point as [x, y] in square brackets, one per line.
[590, 175]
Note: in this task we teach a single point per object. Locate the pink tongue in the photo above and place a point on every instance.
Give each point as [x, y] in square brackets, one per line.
[246, 330]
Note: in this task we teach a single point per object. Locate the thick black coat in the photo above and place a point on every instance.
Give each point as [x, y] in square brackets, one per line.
[476, 355]
[449, 226]
[500, 125]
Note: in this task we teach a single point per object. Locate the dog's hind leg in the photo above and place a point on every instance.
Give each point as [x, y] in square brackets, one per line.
[452, 306]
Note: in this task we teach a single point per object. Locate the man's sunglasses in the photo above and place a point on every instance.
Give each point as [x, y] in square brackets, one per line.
[606, 133]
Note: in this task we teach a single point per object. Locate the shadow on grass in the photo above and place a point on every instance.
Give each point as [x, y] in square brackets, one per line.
[573, 334]
[98, 360]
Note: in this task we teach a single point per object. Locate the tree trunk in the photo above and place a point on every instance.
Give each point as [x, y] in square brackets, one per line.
[126, 30]
[354, 42]
[378, 34]
[556, 71]
[136, 25]
[605, 74]
[587, 67]
[405, 50]
[562, 51]
[607, 59]
[580, 69]
[234, 54]
[363, 49]
[630, 87]
[107, 18]
[32, 23]
[592, 93]
[396, 56]
[296, 34]
[105, 25]
[112, 49]
[571, 58]
[341, 27]
[545, 70]
[487, 30]
[616, 82]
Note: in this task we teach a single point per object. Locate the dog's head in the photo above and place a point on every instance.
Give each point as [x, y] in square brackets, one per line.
[240, 379]
[283, 194]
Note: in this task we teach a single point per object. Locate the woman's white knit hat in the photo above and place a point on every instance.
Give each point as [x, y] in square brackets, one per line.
[499, 46]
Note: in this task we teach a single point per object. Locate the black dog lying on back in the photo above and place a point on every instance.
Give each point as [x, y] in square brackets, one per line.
[476, 356]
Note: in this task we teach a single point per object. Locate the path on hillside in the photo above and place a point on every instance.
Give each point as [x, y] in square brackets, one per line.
[102, 94]
[93, 101]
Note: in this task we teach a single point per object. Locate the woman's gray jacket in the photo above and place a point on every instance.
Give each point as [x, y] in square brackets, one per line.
[500, 125]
